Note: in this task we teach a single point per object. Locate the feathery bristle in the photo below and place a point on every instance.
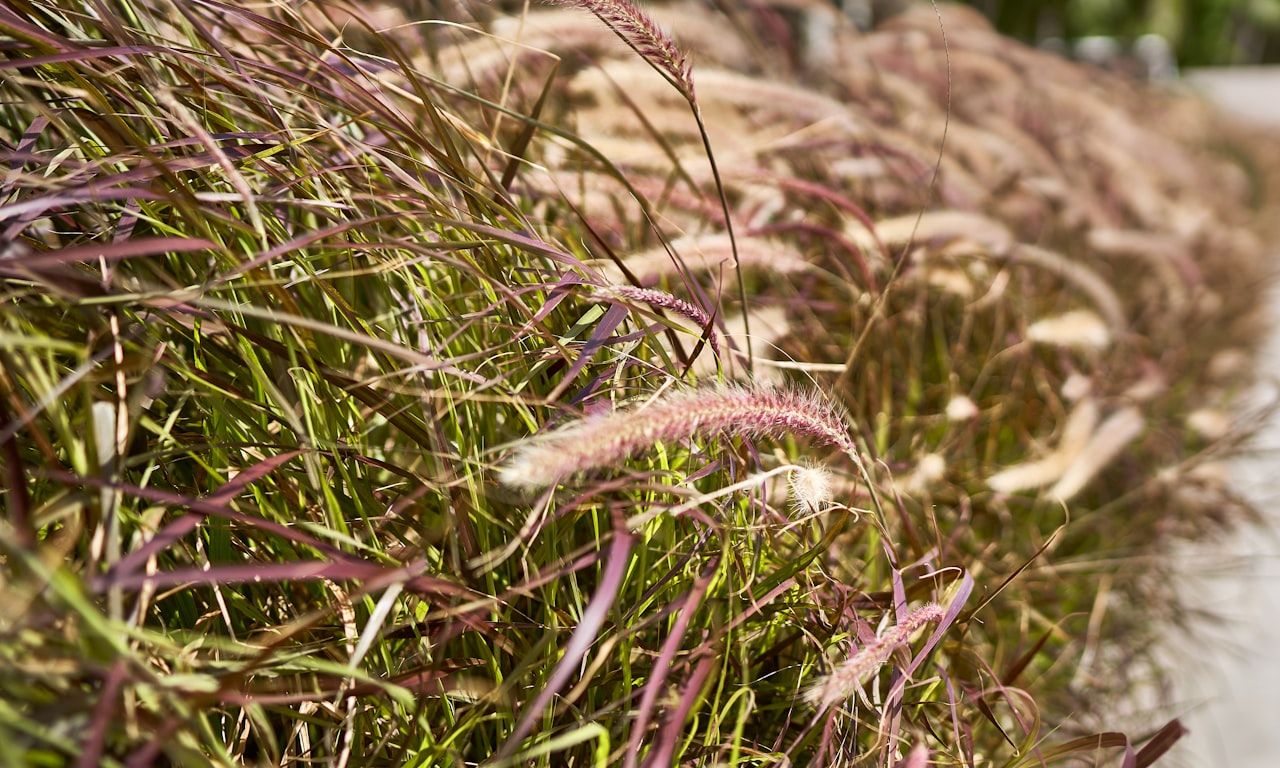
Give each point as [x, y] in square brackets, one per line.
[645, 37]
[745, 411]
[847, 679]
[664, 300]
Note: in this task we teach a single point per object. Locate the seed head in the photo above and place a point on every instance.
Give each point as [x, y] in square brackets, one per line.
[748, 411]
[645, 37]
[810, 489]
[1080, 329]
[1112, 436]
[961, 408]
[665, 300]
[847, 679]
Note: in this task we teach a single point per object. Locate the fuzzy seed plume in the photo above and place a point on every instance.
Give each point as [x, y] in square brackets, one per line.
[1076, 434]
[961, 408]
[918, 758]
[1080, 329]
[1076, 387]
[1209, 423]
[645, 37]
[810, 488]
[748, 411]
[847, 679]
[930, 469]
[664, 300]
[708, 253]
[1112, 436]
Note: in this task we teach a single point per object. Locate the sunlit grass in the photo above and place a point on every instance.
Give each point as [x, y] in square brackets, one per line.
[288, 301]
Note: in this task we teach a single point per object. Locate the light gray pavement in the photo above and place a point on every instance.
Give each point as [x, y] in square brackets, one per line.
[1230, 677]
[1251, 92]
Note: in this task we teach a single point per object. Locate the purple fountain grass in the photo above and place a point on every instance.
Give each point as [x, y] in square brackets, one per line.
[847, 679]
[664, 300]
[644, 37]
[655, 46]
[747, 411]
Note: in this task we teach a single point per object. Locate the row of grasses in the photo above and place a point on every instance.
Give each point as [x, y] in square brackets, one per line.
[399, 385]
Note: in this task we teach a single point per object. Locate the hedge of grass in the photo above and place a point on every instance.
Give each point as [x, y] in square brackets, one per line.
[421, 385]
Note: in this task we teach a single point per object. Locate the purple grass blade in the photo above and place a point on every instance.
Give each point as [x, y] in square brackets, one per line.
[1130, 757]
[21, 152]
[23, 213]
[600, 335]
[948, 618]
[202, 507]
[427, 683]
[944, 624]
[162, 540]
[15, 481]
[112, 252]
[148, 754]
[900, 610]
[251, 573]
[662, 665]
[374, 576]
[251, 474]
[24, 30]
[83, 54]
[519, 240]
[307, 239]
[954, 710]
[556, 294]
[1161, 743]
[664, 300]
[91, 753]
[187, 524]
[1086, 745]
[664, 744]
[588, 630]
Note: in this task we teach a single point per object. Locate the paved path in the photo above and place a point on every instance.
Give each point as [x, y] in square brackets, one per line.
[1232, 675]
[1252, 92]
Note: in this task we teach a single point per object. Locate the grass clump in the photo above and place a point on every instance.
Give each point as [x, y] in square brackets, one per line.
[367, 389]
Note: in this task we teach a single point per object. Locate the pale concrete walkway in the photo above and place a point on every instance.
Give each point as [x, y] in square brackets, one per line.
[1231, 679]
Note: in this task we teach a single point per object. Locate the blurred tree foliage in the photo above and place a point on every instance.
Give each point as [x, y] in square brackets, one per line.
[1202, 32]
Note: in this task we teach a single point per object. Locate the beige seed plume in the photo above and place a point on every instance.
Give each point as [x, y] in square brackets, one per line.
[748, 411]
[645, 37]
[1080, 329]
[664, 300]
[847, 679]
[810, 488]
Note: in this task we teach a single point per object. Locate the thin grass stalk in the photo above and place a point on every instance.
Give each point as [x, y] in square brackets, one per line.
[642, 35]
[728, 225]
[593, 620]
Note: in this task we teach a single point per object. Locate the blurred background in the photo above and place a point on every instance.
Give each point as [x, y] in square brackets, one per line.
[1227, 50]
[1230, 671]
[1201, 33]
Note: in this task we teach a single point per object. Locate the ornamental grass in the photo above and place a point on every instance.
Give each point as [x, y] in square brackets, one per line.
[444, 384]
